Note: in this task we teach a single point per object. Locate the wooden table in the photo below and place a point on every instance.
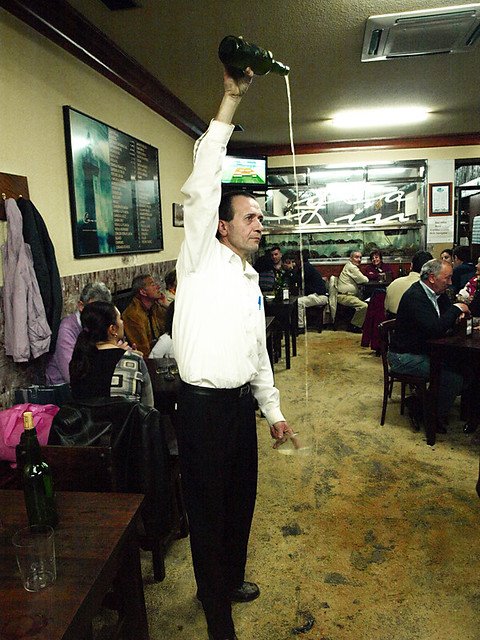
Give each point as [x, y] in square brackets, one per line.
[370, 286]
[286, 313]
[466, 349]
[95, 544]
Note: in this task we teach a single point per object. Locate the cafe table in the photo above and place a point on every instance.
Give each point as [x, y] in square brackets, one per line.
[286, 313]
[465, 349]
[96, 546]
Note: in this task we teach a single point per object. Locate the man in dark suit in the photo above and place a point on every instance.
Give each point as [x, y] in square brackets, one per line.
[425, 312]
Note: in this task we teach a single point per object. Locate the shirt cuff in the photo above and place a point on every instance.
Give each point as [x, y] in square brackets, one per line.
[220, 131]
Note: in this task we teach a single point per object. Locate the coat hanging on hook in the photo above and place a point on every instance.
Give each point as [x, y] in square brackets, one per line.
[27, 333]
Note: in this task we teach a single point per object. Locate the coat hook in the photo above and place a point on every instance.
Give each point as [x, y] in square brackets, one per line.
[4, 196]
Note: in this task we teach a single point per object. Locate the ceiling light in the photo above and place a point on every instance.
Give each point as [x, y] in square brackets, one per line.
[379, 117]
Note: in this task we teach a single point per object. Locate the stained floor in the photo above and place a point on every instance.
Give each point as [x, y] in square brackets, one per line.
[367, 532]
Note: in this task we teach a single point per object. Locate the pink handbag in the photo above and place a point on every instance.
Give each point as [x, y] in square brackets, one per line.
[11, 426]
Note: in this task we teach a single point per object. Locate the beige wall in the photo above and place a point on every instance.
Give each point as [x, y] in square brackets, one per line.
[36, 79]
[380, 155]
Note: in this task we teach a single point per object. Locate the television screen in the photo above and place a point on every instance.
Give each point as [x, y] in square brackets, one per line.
[245, 171]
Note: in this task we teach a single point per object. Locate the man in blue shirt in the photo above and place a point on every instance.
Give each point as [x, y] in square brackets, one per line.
[425, 312]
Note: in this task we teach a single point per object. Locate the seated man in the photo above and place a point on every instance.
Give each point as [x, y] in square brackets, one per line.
[144, 318]
[425, 312]
[314, 288]
[463, 268]
[397, 288]
[57, 371]
[270, 270]
[349, 293]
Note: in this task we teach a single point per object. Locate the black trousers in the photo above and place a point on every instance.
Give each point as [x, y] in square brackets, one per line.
[217, 442]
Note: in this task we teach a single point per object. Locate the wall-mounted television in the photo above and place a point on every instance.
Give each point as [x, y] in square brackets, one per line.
[245, 171]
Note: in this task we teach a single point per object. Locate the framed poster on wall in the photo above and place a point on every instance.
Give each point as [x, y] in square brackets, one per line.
[114, 189]
[440, 199]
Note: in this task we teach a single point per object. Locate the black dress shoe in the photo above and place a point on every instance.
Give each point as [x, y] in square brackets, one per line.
[470, 427]
[212, 637]
[353, 329]
[247, 592]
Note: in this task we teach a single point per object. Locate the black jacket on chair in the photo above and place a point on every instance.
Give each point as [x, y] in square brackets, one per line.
[139, 449]
[418, 320]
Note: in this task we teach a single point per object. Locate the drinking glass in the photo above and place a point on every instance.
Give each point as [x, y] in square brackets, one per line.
[35, 553]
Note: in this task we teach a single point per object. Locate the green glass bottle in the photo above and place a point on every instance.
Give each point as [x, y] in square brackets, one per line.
[37, 479]
[238, 53]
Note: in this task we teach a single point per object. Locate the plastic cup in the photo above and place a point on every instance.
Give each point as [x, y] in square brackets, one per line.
[35, 553]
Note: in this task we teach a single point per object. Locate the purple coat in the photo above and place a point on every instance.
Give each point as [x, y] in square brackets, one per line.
[27, 333]
[58, 370]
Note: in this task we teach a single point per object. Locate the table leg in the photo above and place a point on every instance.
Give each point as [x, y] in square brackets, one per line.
[287, 345]
[431, 418]
[130, 582]
[294, 328]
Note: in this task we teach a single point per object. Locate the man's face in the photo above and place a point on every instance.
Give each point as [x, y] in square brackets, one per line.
[276, 256]
[243, 233]
[440, 283]
[356, 258]
[151, 290]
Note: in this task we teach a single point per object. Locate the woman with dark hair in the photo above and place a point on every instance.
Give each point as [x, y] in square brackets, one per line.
[103, 364]
[377, 270]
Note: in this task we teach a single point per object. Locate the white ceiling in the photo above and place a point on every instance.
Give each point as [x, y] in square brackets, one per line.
[321, 41]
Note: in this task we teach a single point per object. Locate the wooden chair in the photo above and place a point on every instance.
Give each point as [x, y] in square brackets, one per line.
[385, 330]
[340, 314]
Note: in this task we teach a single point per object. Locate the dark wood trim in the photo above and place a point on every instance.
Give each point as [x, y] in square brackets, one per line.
[419, 142]
[62, 24]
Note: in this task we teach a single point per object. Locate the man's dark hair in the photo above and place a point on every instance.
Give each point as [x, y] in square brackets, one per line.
[171, 278]
[275, 247]
[225, 209]
[419, 259]
[139, 282]
[462, 253]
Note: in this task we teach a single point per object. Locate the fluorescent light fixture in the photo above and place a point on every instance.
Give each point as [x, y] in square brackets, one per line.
[379, 117]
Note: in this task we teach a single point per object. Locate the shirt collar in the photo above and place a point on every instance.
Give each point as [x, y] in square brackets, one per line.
[432, 296]
[230, 256]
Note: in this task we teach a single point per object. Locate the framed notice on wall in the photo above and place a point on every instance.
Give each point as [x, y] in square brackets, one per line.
[114, 189]
[441, 199]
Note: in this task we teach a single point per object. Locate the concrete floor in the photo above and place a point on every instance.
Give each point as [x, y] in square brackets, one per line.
[371, 533]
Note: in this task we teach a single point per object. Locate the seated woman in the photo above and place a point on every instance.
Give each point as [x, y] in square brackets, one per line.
[377, 270]
[103, 364]
[164, 346]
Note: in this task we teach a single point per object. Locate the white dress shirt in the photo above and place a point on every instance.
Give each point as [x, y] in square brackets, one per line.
[219, 321]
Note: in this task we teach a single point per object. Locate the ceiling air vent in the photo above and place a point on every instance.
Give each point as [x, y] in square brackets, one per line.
[420, 33]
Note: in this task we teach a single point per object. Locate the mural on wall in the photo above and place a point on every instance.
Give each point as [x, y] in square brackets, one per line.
[344, 204]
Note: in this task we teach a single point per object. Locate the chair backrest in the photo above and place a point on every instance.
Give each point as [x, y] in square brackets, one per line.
[76, 468]
[385, 330]
[332, 296]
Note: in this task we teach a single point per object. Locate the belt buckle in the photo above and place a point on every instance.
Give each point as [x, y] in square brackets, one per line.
[244, 391]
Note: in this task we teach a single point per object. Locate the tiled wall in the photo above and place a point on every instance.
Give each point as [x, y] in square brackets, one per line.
[14, 375]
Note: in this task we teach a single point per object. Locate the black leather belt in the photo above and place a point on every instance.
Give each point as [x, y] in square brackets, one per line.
[238, 392]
